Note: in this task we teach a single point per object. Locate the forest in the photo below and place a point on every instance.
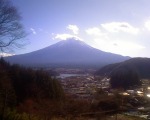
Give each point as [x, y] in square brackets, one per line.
[19, 85]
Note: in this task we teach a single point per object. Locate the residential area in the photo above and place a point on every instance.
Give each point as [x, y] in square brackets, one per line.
[135, 101]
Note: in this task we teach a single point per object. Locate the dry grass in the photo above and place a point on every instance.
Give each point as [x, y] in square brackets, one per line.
[125, 117]
[119, 117]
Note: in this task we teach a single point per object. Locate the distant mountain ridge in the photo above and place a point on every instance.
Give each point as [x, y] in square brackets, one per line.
[67, 53]
[139, 65]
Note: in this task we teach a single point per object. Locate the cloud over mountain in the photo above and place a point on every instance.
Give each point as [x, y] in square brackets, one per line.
[74, 28]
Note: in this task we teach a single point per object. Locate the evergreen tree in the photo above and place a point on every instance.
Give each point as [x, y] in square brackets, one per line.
[124, 78]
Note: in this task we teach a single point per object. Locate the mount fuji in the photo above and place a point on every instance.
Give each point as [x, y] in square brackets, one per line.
[67, 53]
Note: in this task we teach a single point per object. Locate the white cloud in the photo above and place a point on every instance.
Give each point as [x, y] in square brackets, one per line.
[118, 47]
[127, 41]
[66, 36]
[129, 45]
[147, 25]
[94, 31]
[120, 27]
[6, 54]
[33, 31]
[73, 28]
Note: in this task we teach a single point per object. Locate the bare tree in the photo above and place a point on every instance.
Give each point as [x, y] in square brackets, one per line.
[11, 30]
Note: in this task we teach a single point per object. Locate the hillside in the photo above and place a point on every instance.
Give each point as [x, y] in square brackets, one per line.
[68, 53]
[140, 65]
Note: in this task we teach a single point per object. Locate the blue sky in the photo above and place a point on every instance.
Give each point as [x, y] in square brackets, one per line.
[117, 26]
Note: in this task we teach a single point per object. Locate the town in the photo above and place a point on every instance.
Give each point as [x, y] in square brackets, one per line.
[87, 86]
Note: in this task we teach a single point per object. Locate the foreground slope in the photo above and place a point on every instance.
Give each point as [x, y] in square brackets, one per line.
[67, 53]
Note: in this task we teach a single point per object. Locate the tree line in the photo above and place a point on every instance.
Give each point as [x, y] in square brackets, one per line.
[18, 84]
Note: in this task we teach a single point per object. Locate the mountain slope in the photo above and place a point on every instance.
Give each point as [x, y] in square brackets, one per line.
[140, 65]
[68, 52]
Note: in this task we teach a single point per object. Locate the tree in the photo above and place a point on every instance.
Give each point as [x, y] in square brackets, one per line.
[11, 30]
[7, 93]
[124, 78]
